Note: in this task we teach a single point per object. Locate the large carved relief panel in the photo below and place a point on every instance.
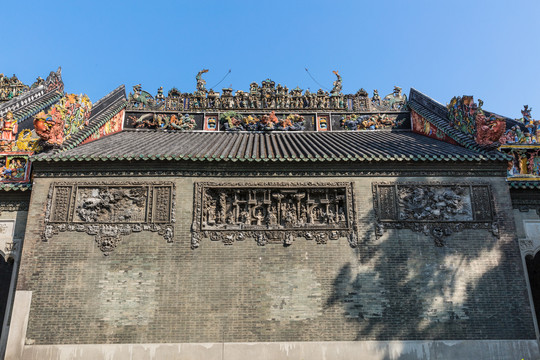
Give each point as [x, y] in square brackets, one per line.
[436, 209]
[109, 211]
[273, 212]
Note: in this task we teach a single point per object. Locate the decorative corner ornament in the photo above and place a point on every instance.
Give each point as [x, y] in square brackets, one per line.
[110, 211]
[435, 209]
[273, 213]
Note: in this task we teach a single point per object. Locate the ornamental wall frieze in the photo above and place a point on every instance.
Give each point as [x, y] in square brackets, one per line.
[436, 209]
[11, 205]
[212, 173]
[110, 210]
[274, 212]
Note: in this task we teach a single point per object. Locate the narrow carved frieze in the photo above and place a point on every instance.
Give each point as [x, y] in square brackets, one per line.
[436, 209]
[109, 211]
[273, 212]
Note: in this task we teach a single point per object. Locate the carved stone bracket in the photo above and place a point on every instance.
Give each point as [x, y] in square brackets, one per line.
[435, 209]
[109, 211]
[273, 213]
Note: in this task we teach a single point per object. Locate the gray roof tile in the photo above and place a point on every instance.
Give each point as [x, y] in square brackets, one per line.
[276, 146]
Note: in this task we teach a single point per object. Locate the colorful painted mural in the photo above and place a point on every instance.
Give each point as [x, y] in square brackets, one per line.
[14, 166]
[112, 126]
[424, 127]
[323, 122]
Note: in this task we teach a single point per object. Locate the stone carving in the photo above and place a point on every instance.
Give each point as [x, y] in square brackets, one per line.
[273, 212]
[434, 209]
[109, 211]
[526, 244]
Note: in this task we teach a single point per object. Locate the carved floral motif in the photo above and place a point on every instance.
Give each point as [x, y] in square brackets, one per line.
[434, 209]
[273, 212]
[109, 211]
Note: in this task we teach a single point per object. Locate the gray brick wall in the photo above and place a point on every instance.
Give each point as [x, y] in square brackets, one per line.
[397, 287]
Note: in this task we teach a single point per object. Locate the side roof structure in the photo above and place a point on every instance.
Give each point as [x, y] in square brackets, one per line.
[35, 100]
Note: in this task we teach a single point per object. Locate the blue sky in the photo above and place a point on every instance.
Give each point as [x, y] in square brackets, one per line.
[489, 49]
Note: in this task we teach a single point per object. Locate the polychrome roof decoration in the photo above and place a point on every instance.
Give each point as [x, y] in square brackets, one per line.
[526, 130]
[266, 96]
[432, 119]
[106, 118]
[68, 116]
[522, 142]
[467, 116]
[11, 87]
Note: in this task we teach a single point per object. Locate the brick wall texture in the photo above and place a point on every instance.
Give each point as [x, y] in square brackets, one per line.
[396, 287]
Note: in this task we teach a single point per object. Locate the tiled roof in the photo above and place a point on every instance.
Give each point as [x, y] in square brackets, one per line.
[136, 144]
[437, 114]
[102, 111]
[15, 186]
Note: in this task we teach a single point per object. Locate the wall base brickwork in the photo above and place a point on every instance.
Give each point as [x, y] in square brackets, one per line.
[365, 350]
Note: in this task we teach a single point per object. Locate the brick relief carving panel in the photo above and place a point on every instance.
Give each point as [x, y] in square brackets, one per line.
[109, 211]
[273, 212]
[436, 209]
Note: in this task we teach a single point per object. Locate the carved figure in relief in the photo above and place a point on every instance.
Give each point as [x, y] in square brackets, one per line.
[425, 204]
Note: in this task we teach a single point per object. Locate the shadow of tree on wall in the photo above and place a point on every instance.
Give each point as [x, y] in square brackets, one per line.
[403, 287]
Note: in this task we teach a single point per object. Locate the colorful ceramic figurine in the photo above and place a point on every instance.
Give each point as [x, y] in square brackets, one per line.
[8, 127]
